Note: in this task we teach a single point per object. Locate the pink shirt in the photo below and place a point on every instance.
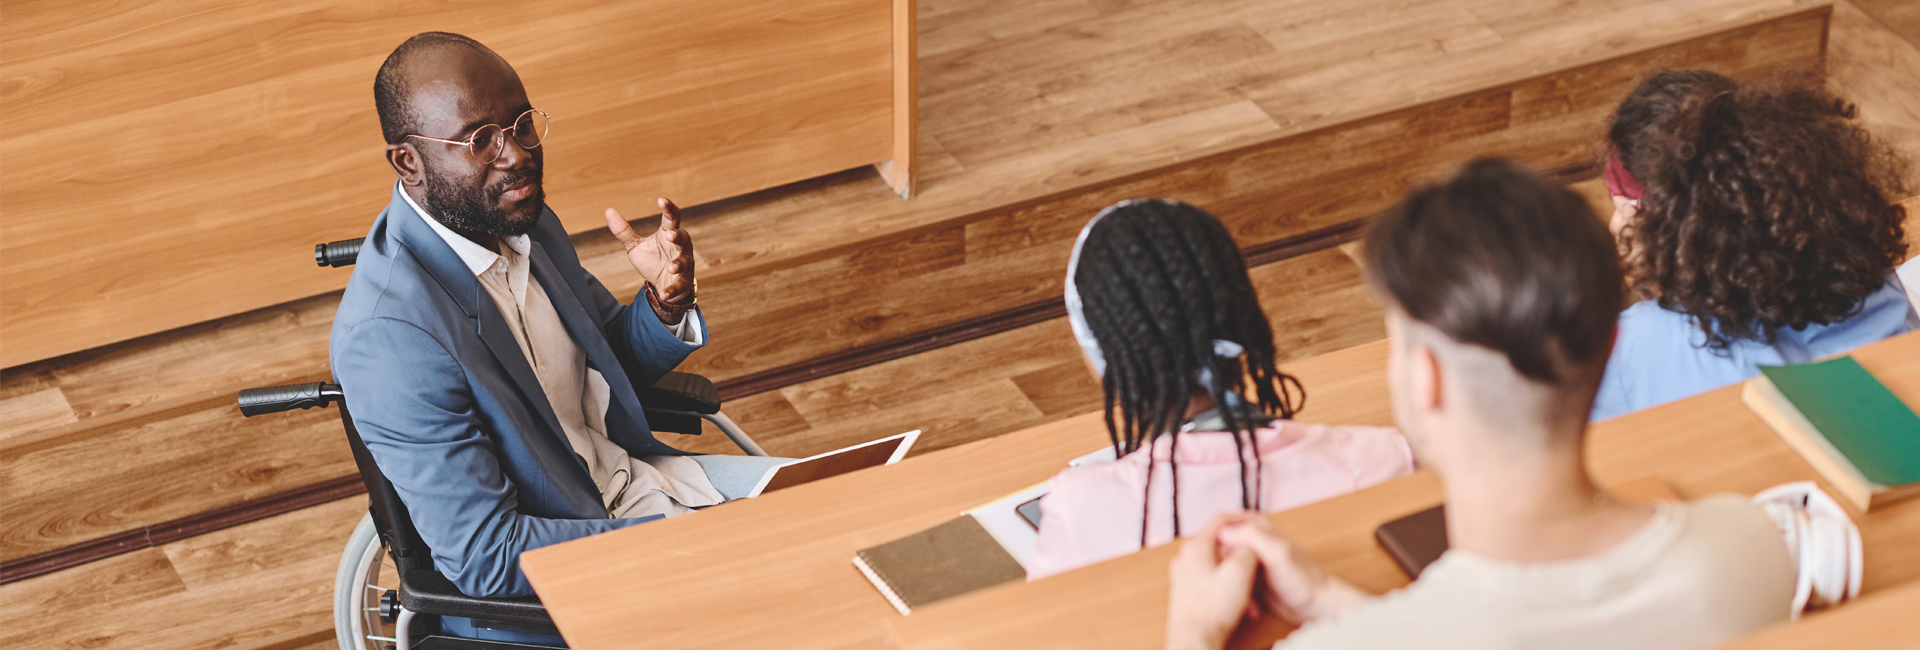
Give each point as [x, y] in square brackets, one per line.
[1092, 512]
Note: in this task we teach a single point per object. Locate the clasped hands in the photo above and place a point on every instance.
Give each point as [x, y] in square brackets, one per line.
[1239, 567]
[664, 259]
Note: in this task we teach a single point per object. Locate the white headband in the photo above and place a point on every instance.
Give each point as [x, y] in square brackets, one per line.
[1075, 316]
[1077, 319]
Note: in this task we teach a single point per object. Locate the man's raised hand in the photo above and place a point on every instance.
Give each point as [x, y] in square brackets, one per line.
[664, 258]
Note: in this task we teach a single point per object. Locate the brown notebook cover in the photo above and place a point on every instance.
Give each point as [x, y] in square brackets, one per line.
[947, 560]
[1416, 540]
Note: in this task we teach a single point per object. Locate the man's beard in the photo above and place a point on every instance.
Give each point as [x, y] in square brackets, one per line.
[476, 210]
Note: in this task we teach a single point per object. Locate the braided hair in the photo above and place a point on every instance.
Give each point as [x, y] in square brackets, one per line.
[1164, 292]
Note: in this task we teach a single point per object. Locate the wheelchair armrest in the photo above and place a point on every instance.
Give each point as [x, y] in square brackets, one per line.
[339, 253]
[427, 592]
[274, 399]
[681, 391]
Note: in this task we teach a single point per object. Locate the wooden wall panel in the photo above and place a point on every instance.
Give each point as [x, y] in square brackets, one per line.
[1285, 186]
[1874, 67]
[167, 162]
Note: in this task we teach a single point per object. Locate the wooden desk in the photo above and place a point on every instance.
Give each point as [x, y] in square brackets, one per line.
[777, 571]
[1706, 444]
[1882, 621]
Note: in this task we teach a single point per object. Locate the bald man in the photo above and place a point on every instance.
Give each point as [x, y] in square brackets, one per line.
[490, 375]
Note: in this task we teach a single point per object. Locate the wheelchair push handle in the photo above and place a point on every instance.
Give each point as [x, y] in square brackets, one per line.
[337, 254]
[274, 399]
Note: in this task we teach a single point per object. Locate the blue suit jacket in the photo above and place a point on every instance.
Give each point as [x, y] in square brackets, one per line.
[452, 411]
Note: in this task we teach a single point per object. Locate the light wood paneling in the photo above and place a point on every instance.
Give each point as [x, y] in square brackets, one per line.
[190, 149]
[901, 170]
[1913, 226]
[1016, 254]
[1902, 17]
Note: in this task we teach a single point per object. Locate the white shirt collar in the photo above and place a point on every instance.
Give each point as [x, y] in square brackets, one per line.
[477, 258]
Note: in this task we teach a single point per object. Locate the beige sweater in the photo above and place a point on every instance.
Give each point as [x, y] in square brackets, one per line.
[1698, 574]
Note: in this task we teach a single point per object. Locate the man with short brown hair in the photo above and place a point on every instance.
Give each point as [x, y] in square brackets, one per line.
[1501, 291]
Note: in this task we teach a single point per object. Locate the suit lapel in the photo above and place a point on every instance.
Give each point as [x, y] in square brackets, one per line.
[454, 276]
[584, 329]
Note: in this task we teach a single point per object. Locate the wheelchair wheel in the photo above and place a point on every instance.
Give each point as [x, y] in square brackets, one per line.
[357, 589]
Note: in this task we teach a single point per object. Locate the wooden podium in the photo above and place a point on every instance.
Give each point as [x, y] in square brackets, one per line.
[168, 162]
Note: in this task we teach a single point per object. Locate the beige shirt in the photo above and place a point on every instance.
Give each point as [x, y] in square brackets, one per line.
[629, 487]
[1698, 574]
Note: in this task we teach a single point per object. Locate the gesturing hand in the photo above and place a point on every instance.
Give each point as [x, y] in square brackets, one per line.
[664, 258]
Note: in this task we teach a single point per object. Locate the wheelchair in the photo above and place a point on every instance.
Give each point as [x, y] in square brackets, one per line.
[371, 615]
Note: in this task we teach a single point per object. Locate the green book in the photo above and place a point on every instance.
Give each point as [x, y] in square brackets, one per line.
[1846, 423]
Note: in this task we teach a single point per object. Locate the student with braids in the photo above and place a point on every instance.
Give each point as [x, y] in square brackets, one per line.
[1159, 298]
[1501, 293]
[1759, 227]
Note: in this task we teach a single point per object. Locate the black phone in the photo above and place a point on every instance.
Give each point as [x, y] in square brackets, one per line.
[1030, 511]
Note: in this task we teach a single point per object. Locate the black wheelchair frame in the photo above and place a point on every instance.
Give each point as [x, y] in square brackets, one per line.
[677, 403]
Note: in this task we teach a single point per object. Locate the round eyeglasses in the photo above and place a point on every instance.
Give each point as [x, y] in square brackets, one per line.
[488, 142]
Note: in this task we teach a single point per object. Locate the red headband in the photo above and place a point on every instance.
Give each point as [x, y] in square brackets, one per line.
[1619, 182]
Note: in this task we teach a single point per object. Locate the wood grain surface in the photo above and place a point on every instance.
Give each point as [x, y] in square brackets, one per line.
[1902, 17]
[1866, 48]
[1701, 445]
[903, 168]
[1058, 66]
[787, 556]
[865, 288]
[1048, 43]
[188, 148]
[265, 585]
[1001, 257]
[1882, 621]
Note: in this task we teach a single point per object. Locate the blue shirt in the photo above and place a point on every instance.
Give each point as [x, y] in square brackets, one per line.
[1661, 356]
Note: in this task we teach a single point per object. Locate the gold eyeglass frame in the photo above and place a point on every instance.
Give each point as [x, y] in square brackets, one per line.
[500, 145]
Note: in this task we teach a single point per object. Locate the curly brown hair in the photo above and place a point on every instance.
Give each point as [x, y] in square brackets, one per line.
[1766, 205]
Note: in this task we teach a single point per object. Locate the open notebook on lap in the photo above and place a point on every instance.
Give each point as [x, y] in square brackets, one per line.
[885, 451]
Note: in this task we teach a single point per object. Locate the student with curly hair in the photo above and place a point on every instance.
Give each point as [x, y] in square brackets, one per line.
[1758, 226]
[1159, 298]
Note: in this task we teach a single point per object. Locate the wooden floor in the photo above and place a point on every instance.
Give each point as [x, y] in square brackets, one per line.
[801, 272]
[1882, 40]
